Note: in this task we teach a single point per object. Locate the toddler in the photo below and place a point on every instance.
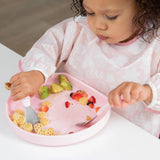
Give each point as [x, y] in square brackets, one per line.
[112, 45]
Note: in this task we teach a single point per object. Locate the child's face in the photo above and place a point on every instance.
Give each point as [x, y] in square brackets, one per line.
[111, 20]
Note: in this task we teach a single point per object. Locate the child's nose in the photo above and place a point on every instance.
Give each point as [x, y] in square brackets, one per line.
[100, 23]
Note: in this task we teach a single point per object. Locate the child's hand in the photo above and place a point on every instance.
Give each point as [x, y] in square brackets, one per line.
[25, 84]
[129, 93]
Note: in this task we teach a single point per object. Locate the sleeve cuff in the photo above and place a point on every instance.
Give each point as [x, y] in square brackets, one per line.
[154, 105]
[46, 74]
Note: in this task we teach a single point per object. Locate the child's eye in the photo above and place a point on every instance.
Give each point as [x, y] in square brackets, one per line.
[111, 18]
[89, 14]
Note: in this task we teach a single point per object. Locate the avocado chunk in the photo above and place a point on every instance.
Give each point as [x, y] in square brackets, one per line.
[66, 85]
[45, 95]
[55, 88]
[62, 78]
[44, 92]
[43, 89]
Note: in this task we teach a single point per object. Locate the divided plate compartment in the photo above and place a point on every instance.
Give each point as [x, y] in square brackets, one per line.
[63, 120]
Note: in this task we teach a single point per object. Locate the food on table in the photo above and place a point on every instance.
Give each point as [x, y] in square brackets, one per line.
[46, 103]
[19, 111]
[41, 132]
[45, 95]
[62, 78]
[44, 92]
[92, 99]
[83, 100]
[27, 127]
[8, 85]
[65, 83]
[42, 115]
[50, 132]
[44, 121]
[97, 109]
[82, 92]
[56, 88]
[88, 118]
[67, 104]
[38, 126]
[81, 97]
[18, 119]
[44, 108]
[76, 96]
[70, 132]
[90, 104]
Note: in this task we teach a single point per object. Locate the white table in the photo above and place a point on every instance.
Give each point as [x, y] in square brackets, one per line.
[119, 140]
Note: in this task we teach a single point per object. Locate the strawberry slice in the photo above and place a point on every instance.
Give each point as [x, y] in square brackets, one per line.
[82, 92]
[92, 99]
[70, 132]
[44, 108]
[76, 96]
[90, 104]
[67, 104]
[97, 109]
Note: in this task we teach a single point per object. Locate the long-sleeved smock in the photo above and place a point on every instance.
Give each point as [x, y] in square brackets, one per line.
[71, 45]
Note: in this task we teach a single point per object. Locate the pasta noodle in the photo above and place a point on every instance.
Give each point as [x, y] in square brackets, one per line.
[44, 121]
[50, 132]
[18, 118]
[42, 115]
[41, 132]
[37, 127]
[28, 127]
[46, 103]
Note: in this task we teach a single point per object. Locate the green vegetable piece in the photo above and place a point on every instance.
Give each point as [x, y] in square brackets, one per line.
[55, 88]
[45, 95]
[62, 78]
[43, 89]
[66, 85]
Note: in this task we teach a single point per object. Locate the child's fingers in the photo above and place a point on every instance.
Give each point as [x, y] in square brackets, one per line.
[142, 95]
[14, 78]
[18, 96]
[124, 104]
[15, 84]
[15, 90]
[126, 96]
[110, 101]
[115, 99]
[18, 92]
[135, 92]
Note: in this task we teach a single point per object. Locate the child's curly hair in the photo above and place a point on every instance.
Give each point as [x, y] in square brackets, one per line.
[147, 17]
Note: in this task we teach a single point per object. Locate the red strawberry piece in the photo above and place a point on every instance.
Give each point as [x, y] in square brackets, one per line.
[67, 104]
[90, 104]
[70, 132]
[97, 109]
[76, 96]
[44, 108]
[92, 99]
[82, 92]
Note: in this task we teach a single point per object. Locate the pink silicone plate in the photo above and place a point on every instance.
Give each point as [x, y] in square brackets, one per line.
[63, 119]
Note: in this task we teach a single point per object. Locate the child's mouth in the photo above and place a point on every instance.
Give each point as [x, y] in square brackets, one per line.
[102, 37]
